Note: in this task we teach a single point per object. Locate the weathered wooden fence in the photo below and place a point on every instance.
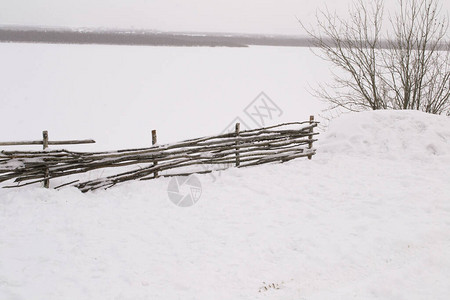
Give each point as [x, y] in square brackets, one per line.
[45, 142]
[277, 143]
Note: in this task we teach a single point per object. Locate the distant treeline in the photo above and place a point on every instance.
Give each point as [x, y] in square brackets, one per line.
[55, 35]
[145, 38]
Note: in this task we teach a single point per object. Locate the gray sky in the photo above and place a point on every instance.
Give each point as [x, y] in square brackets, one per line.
[244, 16]
[251, 16]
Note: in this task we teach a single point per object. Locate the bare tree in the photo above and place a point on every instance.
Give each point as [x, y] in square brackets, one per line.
[408, 70]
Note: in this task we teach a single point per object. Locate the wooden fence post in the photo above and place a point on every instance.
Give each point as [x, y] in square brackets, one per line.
[311, 121]
[238, 158]
[154, 141]
[45, 146]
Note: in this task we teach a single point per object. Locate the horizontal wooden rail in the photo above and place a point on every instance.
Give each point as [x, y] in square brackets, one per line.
[68, 142]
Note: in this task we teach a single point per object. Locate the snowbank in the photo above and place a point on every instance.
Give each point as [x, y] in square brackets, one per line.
[348, 224]
[389, 134]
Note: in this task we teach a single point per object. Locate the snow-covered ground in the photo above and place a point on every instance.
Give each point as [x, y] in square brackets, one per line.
[367, 218]
[117, 95]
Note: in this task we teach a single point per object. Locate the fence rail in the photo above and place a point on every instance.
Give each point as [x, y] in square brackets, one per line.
[68, 142]
[45, 141]
[277, 143]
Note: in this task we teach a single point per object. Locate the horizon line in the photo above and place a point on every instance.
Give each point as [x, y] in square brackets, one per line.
[144, 37]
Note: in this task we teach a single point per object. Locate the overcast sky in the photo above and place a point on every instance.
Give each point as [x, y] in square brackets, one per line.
[242, 16]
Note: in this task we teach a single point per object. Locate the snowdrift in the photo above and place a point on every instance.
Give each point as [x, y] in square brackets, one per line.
[366, 218]
[389, 134]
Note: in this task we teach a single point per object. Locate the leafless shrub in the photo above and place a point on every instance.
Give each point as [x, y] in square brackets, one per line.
[408, 69]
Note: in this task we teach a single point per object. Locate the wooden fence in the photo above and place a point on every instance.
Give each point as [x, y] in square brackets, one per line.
[277, 143]
[45, 142]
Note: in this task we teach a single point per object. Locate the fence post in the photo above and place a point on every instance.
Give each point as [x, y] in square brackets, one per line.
[154, 141]
[238, 158]
[311, 121]
[45, 146]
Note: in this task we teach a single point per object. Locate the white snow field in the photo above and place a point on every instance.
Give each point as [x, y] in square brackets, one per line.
[117, 95]
[367, 218]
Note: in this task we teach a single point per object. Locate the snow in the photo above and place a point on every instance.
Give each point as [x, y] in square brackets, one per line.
[386, 134]
[118, 95]
[366, 218]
